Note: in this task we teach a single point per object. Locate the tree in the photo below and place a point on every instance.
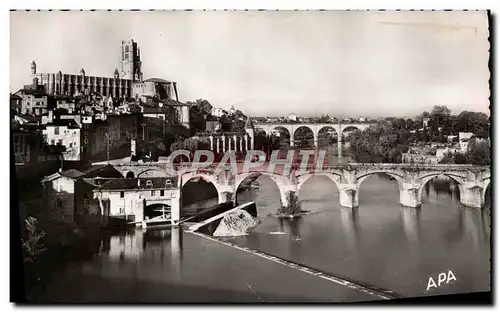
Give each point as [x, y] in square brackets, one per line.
[479, 153]
[448, 158]
[475, 122]
[135, 109]
[204, 107]
[32, 245]
[324, 119]
[196, 119]
[238, 126]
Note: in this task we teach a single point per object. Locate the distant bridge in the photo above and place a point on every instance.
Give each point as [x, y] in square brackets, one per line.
[268, 128]
[472, 180]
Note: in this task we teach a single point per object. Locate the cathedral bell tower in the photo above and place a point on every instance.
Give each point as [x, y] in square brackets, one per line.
[130, 64]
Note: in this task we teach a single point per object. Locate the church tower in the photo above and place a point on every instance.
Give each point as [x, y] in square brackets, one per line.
[33, 69]
[130, 64]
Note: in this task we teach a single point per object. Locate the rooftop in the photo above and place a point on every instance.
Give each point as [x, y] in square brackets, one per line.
[70, 123]
[139, 183]
[159, 80]
[71, 174]
[36, 92]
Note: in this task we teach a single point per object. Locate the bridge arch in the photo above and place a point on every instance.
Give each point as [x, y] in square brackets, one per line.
[425, 179]
[302, 179]
[350, 128]
[486, 183]
[205, 176]
[130, 175]
[308, 130]
[277, 127]
[282, 182]
[278, 179]
[398, 178]
[151, 173]
[361, 178]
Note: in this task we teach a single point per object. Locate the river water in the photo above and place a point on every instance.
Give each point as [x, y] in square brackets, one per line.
[380, 244]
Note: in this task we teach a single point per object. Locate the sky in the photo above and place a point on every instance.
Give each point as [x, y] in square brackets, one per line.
[275, 63]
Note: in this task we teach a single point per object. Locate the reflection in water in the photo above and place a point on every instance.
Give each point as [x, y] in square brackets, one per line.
[349, 219]
[474, 227]
[176, 252]
[410, 217]
[379, 243]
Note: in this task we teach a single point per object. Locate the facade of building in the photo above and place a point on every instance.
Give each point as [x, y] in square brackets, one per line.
[126, 196]
[33, 101]
[464, 138]
[68, 197]
[59, 194]
[158, 88]
[22, 146]
[119, 85]
[113, 132]
[217, 112]
[16, 103]
[65, 132]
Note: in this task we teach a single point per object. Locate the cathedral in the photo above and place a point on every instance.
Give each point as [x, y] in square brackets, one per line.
[122, 85]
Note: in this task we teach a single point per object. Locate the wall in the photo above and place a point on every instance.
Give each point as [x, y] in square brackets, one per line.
[32, 104]
[21, 147]
[70, 138]
[128, 204]
[143, 89]
[71, 84]
[60, 200]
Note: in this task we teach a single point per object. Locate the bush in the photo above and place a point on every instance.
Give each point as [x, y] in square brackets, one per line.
[33, 245]
[294, 207]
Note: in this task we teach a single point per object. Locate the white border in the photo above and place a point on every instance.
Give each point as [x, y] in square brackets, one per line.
[191, 4]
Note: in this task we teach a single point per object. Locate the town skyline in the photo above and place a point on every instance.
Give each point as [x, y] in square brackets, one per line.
[259, 79]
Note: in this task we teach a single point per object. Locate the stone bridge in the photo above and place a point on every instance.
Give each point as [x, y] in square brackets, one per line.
[472, 180]
[315, 128]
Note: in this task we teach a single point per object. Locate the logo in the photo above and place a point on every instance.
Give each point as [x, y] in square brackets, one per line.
[441, 278]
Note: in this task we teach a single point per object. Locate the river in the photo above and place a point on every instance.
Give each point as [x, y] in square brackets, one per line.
[380, 244]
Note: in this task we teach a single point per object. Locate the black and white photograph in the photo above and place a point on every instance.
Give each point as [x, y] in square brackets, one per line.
[250, 156]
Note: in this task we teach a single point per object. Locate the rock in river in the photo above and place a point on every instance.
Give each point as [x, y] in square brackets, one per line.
[235, 223]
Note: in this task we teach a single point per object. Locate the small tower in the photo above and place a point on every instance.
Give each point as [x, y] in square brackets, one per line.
[185, 116]
[116, 75]
[250, 130]
[82, 72]
[33, 68]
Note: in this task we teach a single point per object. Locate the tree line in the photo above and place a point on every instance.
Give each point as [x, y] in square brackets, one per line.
[388, 139]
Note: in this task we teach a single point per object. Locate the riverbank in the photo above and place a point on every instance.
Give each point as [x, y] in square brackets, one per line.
[62, 243]
[188, 269]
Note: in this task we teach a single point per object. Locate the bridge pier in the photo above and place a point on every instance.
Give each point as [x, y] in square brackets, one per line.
[226, 196]
[349, 195]
[409, 196]
[175, 207]
[471, 196]
[339, 148]
[139, 212]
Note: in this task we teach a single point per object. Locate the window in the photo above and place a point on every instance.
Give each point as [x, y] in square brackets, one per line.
[122, 211]
[52, 142]
[56, 130]
[152, 193]
[60, 142]
[122, 194]
[70, 144]
[162, 193]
